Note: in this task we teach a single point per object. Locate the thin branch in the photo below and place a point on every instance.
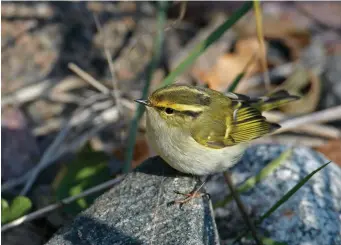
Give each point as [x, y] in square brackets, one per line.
[98, 85]
[107, 114]
[312, 129]
[44, 211]
[291, 140]
[41, 89]
[110, 63]
[157, 52]
[183, 7]
[86, 76]
[240, 76]
[45, 160]
[327, 115]
[260, 35]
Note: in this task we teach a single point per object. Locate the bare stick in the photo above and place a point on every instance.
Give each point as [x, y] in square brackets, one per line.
[98, 85]
[45, 160]
[327, 115]
[312, 129]
[68, 200]
[183, 7]
[291, 140]
[111, 65]
[31, 92]
[259, 26]
[86, 76]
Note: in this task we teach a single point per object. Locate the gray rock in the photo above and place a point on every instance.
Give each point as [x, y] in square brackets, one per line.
[331, 94]
[311, 216]
[136, 212]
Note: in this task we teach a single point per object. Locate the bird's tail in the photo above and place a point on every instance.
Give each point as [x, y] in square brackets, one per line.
[274, 100]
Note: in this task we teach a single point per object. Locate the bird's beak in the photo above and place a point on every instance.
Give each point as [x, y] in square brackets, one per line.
[143, 102]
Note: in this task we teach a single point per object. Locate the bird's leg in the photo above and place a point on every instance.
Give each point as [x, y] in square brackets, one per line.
[241, 208]
[195, 193]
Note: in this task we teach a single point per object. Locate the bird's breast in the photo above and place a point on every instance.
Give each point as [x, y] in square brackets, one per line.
[178, 148]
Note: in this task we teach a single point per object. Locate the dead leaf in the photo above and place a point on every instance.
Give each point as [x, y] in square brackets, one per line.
[325, 13]
[296, 84]
[229, 66]
[332, 150]
[277, 27]
[141, 152]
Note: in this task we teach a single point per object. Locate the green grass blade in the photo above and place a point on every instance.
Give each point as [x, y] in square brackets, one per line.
[239, 77]
[286, 197]
[252, 181]
[157, 50]
[201, 47]
[235, 82]
[291, 192]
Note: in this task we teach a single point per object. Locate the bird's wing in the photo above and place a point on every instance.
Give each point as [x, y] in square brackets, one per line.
[241, 124]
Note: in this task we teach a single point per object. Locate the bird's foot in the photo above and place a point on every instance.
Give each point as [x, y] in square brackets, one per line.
[188, 197]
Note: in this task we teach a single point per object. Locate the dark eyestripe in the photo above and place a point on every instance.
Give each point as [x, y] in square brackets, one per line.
[193, 114]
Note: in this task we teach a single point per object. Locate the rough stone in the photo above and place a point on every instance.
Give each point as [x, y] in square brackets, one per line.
[311, 216]
[136, 212]
[331, 94]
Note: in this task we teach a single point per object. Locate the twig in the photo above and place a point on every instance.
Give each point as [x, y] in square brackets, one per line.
[86, 76]
[98, 85]
[312, 129]
[291, 140]
[241, 207]
[42, 89]
[279, 71]
[327, 115]
[183, 7]
[259, 26]
[26, 94]
[107, 115]
[45, 160]
[65, 201]
[157, 51]
[240, 76]
[108, 55]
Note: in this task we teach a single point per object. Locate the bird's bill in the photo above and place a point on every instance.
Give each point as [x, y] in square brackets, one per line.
[143, 102]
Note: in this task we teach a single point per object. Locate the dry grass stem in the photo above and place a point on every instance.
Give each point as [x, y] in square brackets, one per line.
[65, 201]
[110, 63]
[88, 78]
[93, 115]
[183, 7]
[260, 35]
[291, 140]
[312, 129]
[327, 115]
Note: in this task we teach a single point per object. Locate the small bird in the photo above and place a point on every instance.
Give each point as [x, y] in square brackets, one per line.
[201, 131]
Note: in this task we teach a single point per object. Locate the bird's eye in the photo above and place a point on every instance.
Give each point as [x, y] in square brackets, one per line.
[169, 110]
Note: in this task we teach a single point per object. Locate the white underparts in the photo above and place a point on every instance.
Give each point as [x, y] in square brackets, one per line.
[182, 152]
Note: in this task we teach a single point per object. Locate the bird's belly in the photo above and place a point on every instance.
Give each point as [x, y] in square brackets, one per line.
[186, 155]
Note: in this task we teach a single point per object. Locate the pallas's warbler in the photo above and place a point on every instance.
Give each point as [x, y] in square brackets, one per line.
[201, 131]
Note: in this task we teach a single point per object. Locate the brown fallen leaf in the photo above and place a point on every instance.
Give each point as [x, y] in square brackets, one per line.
[305, 84]
[141, 152]
[278, 27]
[324, 13]
[229, 66]
[332, 150]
